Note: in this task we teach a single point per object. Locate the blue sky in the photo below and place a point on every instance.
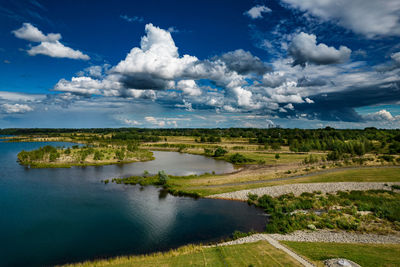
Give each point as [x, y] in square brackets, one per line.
[291, 63]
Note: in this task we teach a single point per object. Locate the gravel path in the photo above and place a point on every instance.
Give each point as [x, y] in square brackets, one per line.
[337, 237]
[297, 189]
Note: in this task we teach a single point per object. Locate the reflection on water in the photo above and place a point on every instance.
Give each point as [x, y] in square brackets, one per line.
[51, 216]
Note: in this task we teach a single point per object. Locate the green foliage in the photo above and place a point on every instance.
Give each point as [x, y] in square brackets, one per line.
[219, 152]
[387, 158]
[120, 154]
[384, 205]
[239, 234]
[162, 177]
[311, 159]
[239, 159]
[98, 155]
[277, 156]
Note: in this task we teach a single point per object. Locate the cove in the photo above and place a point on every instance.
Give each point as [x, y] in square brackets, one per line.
[55, 216]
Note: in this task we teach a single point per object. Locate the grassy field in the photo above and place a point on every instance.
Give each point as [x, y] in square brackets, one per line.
[252, 254]
[215, 184]
[367, 255]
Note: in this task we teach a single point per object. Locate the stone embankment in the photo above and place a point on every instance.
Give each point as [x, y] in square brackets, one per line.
[298, 189]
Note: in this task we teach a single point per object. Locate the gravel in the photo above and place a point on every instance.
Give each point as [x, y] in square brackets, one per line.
[337, 237]
[298, 189]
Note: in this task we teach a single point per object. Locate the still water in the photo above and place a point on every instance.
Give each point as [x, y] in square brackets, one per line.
[54, 216]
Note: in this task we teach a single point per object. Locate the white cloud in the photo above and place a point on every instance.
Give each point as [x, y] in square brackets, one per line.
[189, 87]
[187, 105]
[381, 115]
[304, 49]
[56, 49]
[289, 106]
[256, 11]
[370, 18]
[309, 101]
[396, 57]
[130, 122]
[155, 64]
[16, 108]
[31, 33]
[152, 120]
[49, 44]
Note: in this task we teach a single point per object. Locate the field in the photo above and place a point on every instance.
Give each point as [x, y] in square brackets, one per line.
[252, 254]
[215, 184]
[367, 255]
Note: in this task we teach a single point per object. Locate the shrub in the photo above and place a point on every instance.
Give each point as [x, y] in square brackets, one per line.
[239, 159]
[162, 177]
[219, 152]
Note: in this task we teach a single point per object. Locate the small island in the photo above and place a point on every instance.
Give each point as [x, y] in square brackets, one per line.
[60, 157]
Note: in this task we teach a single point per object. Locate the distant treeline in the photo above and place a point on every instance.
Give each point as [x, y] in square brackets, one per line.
[353, 141]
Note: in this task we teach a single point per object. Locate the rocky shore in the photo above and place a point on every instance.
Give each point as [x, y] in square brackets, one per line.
[298, 189]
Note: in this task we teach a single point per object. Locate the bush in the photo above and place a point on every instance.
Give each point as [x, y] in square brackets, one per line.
[219, 152]
[162, 177]
[239, 159]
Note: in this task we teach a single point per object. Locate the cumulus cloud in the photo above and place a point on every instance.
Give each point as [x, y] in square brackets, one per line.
[381, 115]
[243, 62]
[16, 108]
[304, 49]
[256, 12]
[155, 64]
[370, 18]
[49, 44]
[189, 87]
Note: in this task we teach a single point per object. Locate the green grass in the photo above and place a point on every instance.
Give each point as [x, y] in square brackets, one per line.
[252, 254]
[366, 255]
[198, 184]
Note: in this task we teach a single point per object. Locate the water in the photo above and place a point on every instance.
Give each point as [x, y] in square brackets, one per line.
[54, 216]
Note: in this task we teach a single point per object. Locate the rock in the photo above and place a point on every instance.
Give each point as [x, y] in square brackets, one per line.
[312, 227]
[340, 263]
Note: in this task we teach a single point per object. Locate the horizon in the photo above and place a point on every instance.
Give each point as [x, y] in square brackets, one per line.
[247, 64]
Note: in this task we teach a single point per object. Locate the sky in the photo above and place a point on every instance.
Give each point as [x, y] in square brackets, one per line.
[203, 64]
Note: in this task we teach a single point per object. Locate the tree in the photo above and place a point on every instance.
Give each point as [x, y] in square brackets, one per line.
[219, 152]
[277, 156]
[162, 177]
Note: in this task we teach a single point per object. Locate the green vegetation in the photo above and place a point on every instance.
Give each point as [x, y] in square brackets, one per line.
[366, 255]
[252, 254]
[49, 156]
[239, 159]
[365, 211]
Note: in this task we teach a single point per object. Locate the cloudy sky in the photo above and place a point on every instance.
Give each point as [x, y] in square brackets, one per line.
[288, 63]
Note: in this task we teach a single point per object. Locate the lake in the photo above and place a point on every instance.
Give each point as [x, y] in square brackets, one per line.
[55, 216]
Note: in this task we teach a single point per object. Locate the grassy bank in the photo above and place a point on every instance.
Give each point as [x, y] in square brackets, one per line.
[252, 254]
[366, 255]
[58, 157]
